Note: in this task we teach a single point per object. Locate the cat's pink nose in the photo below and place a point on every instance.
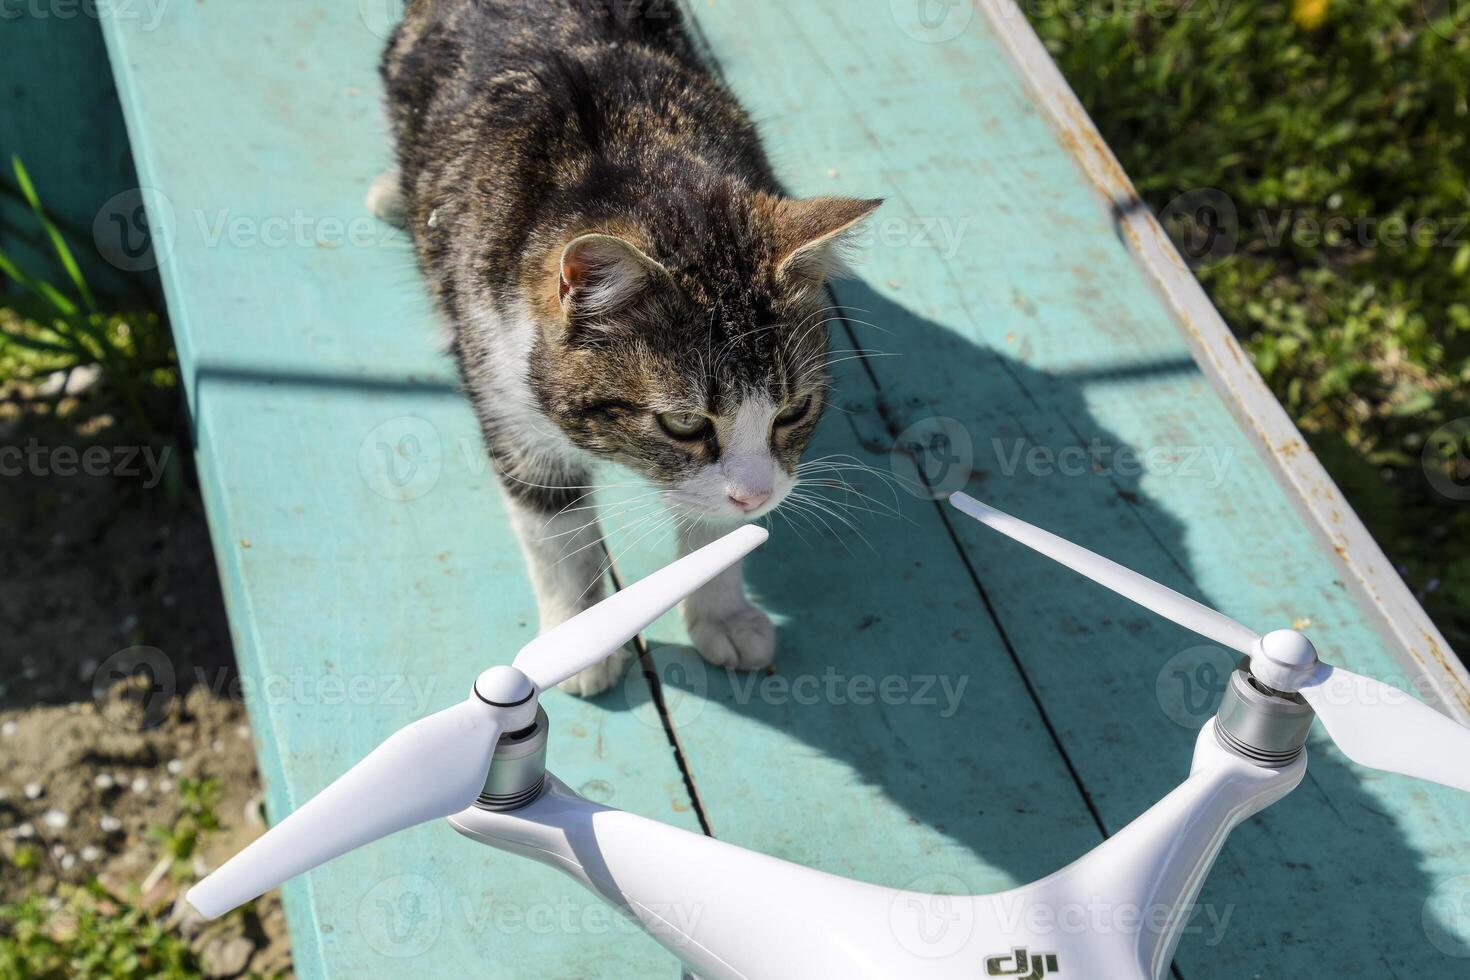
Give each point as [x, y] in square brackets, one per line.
[749, 501]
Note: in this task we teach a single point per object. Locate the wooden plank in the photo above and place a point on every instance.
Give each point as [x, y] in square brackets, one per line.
[369, 572]
[1037, 330]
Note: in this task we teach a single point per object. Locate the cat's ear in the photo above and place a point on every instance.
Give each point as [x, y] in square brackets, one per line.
[810, 234]
[600, 275]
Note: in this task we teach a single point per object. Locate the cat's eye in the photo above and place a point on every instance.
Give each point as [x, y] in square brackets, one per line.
[794, 412]
[683, 425]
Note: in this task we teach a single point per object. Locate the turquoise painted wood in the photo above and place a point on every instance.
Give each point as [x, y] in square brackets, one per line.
[369, 573]
[946, 711]
[62, 119]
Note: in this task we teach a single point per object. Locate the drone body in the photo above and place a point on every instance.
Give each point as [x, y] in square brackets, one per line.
[732, 914]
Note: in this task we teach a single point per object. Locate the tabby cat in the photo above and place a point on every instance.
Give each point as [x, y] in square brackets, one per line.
[625, 281]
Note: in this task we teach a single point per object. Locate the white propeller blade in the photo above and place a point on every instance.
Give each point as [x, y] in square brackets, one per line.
[1379, 726]
[590, 636]
[1375, 724]
[433, 768]
[1127, 583]
[438, 765]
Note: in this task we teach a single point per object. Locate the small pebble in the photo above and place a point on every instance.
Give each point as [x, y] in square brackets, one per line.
[26, 830]
[242, 731]
[175, 767]
[54, 819]
[218, 745]
[7, 729]
[68, 861]
[109, 823]
[34, 791]
[165, 785]
[140, 786]
[91, 852]
[103, 781]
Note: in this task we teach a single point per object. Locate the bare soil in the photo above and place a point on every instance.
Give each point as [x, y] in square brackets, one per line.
[115, 680]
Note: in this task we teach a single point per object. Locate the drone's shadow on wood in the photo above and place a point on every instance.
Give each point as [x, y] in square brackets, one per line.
[945, 704]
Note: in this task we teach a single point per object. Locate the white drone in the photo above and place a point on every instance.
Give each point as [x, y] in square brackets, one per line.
[481, 764]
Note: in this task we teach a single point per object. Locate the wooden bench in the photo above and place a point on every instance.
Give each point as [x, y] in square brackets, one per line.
[369, 571]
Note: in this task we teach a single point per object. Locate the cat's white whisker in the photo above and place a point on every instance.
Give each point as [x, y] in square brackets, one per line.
[807, 509]
[611, 559]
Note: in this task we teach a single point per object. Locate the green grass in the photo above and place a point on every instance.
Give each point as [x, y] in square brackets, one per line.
[197, 800]
[1332, 128]
[83, 932]
[47, 328]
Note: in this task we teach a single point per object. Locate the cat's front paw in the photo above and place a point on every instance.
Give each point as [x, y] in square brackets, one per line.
[740, 639]
[600, 676]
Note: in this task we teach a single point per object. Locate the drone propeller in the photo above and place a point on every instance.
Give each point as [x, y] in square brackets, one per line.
[437, 766]
[1374, 724]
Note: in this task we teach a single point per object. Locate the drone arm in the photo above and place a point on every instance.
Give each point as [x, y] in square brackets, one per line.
[1153, 868]
[724, 911]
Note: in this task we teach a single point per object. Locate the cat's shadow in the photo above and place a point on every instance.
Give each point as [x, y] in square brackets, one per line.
[1119, 690]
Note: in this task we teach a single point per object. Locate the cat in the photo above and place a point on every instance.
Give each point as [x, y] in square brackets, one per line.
[599, 225]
